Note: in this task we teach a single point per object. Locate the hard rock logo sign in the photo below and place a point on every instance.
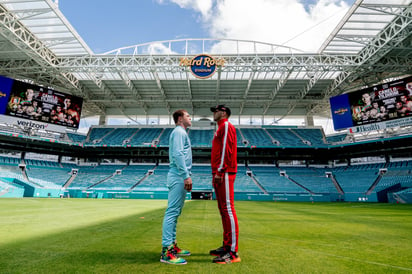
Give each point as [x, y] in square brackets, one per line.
[202, 66]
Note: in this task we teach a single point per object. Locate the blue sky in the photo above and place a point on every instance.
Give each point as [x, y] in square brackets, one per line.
[105, 26]
[108, 25]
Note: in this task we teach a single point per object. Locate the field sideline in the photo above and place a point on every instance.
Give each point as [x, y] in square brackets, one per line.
[124, 236]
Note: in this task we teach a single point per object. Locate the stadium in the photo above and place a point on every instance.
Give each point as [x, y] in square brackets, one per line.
[353, 182]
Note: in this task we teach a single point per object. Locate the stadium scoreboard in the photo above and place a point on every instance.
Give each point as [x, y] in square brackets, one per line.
[378, 107]
[28, 105]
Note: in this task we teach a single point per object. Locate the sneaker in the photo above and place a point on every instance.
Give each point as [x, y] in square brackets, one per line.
[218, 251]
[180, 252]
[169, 257]
[228, 258]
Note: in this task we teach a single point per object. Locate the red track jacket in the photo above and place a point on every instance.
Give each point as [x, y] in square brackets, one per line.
[224, 148]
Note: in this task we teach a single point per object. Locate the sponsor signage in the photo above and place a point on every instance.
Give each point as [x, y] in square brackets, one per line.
[377, 107]
[202, 66]
[39, 105]
[382, 125]
[24, 123]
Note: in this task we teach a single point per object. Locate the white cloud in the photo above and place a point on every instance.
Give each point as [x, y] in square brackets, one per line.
[282, 22]
[201, 6]
[158, 48]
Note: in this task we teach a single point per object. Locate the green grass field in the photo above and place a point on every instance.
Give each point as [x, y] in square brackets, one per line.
[124, 236]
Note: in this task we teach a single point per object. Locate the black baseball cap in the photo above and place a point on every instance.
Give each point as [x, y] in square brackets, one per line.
[222, 108]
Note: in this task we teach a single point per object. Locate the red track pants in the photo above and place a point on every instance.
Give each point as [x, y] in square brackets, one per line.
[225, 201]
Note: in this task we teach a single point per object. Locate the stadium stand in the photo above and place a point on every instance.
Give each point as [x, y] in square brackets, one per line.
[241, 140]
[118, 136]
[164, 137]
[50, 177]
[257, 137]
[76, 138]
[124, 179]
[397, 174]
[245, 182]
[312, 136]
[312, 179]
[257, 82]
[10, 190]
[286, 137]
[273, 182]
[374, 182]
[96, 135]
[156, 181]
[247, 137]
[12, 171]
[9, 160]
[336, 138]
[201, 137]
[202, 177]
[145, 137]
[88, 176]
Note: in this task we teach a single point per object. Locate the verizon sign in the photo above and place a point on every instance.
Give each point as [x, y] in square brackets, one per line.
[24, 124]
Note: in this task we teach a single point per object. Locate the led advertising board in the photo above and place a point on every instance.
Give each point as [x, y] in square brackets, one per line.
[23, 101]
[374, 108]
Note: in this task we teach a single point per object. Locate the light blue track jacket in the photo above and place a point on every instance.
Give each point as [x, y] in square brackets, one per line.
[180, 153]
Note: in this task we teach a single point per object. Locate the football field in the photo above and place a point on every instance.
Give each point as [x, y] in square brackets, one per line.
[124, 236]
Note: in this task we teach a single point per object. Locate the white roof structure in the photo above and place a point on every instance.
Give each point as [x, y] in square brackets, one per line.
[45, 21]
[363, 23]
[373, 43]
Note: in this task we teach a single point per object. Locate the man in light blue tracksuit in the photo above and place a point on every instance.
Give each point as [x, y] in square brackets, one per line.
[179, 183]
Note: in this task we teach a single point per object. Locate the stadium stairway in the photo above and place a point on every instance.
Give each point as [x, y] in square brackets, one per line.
[274, 141]
[156, 140]
[138, 182]
[4, 191]
[250, 174]
[27, 179]
[398, 197]
[164, 137]
[374, 184]
[307, 142]
[403, 196]
[336, 184]
[96, 135]
[299, 185]
[4, 188]
[70, 180]
[145, 137]
[11, 190]
[241, 140]
[101, 181]
[129, 139]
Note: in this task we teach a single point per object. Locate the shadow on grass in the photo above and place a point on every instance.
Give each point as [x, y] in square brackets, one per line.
[123, 241]
[138, 257]
[129, 244]
[116, 257]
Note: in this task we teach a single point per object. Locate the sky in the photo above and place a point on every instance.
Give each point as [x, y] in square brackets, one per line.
[108, 25]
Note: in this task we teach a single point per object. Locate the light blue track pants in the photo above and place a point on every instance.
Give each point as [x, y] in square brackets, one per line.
[176, 200]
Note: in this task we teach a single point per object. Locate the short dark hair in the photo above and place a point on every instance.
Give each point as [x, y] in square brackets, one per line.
[178, 113]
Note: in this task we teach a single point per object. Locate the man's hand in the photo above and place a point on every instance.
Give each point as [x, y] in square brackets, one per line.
[188, 184]
[218, 179]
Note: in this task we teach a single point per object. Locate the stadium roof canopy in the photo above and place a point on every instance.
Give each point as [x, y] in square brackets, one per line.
[372, 43]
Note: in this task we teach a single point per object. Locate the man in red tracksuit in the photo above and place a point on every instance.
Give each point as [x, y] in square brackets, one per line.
[224, 168]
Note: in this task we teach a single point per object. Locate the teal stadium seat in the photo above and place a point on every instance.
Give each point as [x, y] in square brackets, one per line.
[145, 136]
[201, 137]
[257, 137]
